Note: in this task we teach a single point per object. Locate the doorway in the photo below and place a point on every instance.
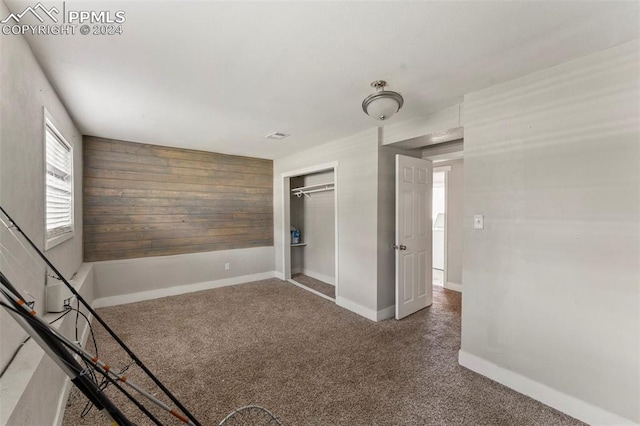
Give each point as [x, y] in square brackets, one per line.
[439, 228]
[310, 229]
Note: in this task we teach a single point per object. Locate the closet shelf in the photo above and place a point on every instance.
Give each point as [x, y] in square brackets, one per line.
[306, 190]
[298, 245]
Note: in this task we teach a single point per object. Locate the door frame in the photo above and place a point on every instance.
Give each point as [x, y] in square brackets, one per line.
[445, 170]
[285, 179]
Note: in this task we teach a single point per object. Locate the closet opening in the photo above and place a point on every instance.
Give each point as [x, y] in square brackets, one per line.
[310, 229]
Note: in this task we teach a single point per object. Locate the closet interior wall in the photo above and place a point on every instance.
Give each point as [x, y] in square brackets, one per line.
[314, 217]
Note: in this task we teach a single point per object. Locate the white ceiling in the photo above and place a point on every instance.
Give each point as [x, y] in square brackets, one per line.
[219, 76]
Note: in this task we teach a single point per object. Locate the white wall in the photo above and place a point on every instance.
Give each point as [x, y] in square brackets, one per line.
[318, 229]
[444, 152]
[438, 204]
[132, 280]
[34, 390]
[438, 207]
[440, 126]
[366, 217]
[551, 285]
[357, 185]
[24, 91]
[297, 221]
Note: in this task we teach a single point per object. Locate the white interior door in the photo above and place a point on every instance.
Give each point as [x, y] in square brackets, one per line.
[414, 285]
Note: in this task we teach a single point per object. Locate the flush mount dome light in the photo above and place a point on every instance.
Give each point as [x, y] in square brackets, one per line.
[383, 104]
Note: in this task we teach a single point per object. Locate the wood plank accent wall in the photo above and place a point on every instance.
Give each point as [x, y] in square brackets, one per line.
[146, 200]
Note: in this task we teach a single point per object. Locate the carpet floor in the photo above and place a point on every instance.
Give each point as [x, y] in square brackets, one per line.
[317, 285]
[308, 361]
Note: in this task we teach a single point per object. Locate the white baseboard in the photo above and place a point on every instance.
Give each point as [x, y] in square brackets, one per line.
[180, 289]
[356, 308]
[370, 314]
[386, 313]
[279, 275]
[453, 286]
[570, 405]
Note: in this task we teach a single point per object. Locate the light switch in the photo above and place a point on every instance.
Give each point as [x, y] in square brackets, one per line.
[478, 221]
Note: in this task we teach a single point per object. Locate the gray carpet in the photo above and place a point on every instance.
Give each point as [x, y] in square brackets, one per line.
[309, 361]
[317, 285]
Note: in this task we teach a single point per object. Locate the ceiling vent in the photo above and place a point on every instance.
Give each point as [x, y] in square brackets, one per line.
[277, 136]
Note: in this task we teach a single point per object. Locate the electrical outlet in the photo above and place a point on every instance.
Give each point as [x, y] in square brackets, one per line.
[68, 302]
[227, 266]
[57, 297]
[478, 221]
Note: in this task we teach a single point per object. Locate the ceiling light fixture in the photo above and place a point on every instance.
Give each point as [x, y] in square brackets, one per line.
[382, 104]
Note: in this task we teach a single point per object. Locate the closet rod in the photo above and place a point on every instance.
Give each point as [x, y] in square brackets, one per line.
[318, 185]
[301, 193]
[306, 190]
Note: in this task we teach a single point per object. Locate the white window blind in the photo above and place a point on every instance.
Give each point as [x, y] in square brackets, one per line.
[59, 184]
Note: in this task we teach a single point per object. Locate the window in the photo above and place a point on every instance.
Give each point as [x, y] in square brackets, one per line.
[58, 186]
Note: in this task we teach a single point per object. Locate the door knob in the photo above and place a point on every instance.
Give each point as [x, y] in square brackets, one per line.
[399, 247]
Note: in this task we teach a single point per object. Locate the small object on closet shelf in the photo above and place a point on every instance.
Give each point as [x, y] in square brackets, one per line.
[306, 190]
[295, 236]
